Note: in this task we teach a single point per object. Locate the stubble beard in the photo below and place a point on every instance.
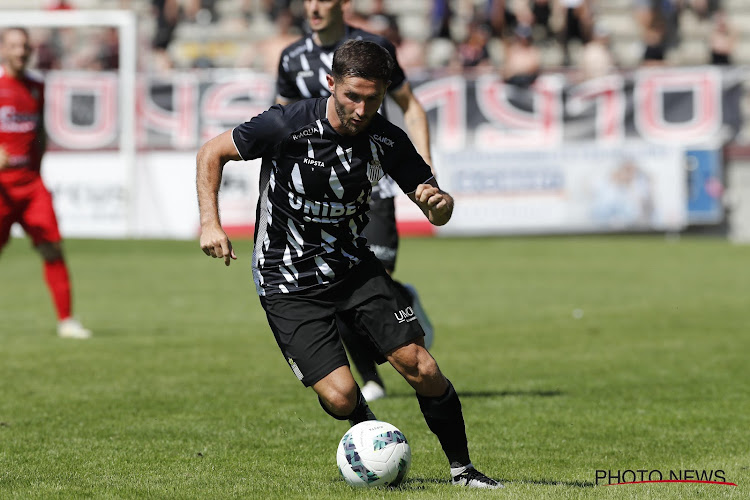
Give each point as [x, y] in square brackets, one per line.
[341, 113]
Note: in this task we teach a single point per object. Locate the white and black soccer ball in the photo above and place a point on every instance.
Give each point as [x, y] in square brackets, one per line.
[373, 453]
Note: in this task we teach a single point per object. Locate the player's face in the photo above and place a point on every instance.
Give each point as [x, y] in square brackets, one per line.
[15, 50]
[322, 14]
[356, 101]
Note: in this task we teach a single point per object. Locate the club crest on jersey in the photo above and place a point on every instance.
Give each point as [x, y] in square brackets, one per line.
[374, 171]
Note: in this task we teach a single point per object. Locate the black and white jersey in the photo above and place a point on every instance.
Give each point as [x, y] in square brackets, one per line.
[303, 67]
[315, 188]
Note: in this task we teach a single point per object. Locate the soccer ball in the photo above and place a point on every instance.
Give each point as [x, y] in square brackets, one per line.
[373, 453]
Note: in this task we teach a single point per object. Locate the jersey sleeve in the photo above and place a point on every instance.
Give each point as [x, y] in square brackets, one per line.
[261, 135]
[407, 167]
[285, 85]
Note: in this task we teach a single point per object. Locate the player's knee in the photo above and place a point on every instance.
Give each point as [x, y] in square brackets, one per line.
[50, 251]
[339, 402]
[415, 364]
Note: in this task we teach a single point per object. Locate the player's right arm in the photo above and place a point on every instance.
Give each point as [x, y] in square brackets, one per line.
[210, 162]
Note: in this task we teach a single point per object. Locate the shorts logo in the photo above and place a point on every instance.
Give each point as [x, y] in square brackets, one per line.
[295, 368]
[405, 315]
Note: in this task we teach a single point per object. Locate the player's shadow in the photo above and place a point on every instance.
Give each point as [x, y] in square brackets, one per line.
[418, 483]
[491, 394]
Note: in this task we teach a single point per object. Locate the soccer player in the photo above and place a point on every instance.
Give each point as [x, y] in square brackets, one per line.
[321, 157]
[23, 197]
[302, 71]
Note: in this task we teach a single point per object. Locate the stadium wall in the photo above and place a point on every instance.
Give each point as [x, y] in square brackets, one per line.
[638, 151]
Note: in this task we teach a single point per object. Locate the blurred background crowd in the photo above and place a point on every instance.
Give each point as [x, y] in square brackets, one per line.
[517, 38]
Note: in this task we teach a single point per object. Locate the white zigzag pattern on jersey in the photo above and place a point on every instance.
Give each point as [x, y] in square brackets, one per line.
[324, 267]
[328, 241]
[301, 85]
[327, 59]
[310, 151]
[342, 157]
[297, 179]
[335, 183]
[294, 237]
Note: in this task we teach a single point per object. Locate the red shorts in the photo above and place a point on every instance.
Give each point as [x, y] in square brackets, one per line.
[31, 206]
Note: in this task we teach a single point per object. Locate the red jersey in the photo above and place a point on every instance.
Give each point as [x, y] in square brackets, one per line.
[21, 127]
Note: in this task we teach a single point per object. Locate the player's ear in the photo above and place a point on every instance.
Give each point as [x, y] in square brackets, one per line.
[330, 81]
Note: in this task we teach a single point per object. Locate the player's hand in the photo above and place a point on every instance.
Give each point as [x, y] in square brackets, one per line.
[436, 203]
[216, 244]
[3, 158]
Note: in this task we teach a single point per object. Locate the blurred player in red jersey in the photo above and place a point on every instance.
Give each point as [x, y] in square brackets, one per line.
[23, 197]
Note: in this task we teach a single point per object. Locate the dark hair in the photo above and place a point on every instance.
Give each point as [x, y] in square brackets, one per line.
[362, 59]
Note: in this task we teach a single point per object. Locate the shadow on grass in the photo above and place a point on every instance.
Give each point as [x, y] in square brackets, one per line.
[490, 394]
[419, 483]
[552, 482]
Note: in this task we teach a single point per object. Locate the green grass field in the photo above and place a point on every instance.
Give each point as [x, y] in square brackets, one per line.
[182, 393]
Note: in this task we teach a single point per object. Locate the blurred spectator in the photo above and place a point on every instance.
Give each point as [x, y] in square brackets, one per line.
[201, 12]
[577, 22]
[523, 61]
[48, 49]
[58, 5]
[472, 51]
[723, 39]
[441, 19]
[597, 59]
[273, 8]
[504, 15]
[109, 49]
[659, 22]
[167, 14]
[410, 53]
[266, 55]
[704, 9]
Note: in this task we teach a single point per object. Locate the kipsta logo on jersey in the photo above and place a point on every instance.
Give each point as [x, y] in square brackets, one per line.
[314, 163]
[405, 315]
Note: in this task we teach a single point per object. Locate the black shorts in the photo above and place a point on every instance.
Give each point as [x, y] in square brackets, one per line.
[304, 323]
[381, 234]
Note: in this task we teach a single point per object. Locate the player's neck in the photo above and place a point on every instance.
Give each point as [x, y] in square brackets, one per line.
[329, 36]
[7, 70]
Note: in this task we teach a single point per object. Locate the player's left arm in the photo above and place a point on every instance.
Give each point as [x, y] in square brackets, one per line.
[415, 120]
[436, 204]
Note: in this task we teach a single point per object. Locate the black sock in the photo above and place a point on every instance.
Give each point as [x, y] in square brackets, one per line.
[360, 413]
[444, 418]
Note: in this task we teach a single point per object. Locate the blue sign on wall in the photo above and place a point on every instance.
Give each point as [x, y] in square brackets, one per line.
[705, 186]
